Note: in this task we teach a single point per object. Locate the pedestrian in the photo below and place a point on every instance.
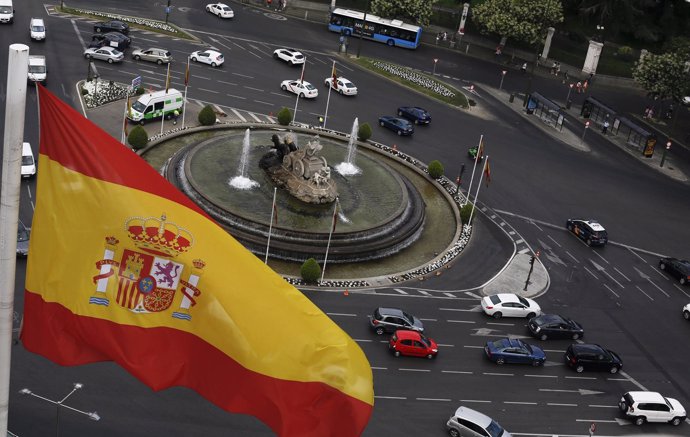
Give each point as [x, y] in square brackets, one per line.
[646, 111]
[565, 77]
[268, 3]
[176, 114]
[578, 86]
[585, 84]
[438, 37]
[558, 68]
[524, 68]
[445, 36]
[605, 127]
[553, 67]
[499, 51]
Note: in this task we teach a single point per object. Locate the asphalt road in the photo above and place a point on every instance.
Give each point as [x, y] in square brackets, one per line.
[616, 292]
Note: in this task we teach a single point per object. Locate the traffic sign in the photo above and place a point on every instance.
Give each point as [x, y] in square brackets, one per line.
[136, 82]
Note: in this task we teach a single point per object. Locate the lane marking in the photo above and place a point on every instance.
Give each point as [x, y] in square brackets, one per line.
[602, 258]
[588, 271]
[255, 117]
[459, 321]
[362, 340]
[434, 399]
[457, 309]
[611, 290]
[458, 372]
[236, 97]
[237, 113]
[445, 345]
[342, 314]
[603, 406]
[208, 91]
[580, 377]
[500, 324]
[621, 273]
[227, 83]
[264, 103]
[575, 259]
[243, 75]
[391, 397]
[428, 320]
[404, 369]
[449, 294]
[379, 368]
[650, 297]
[553, 404]
[425, 293]
[498, 374]
[252, 88]
[400, 291]
[475, 400]
[519, 403]
[681, 290]
[542, 376]
[551, 238]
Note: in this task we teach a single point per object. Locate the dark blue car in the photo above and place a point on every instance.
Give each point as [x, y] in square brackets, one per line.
[415, 114]
[513, 350]
[397, 125]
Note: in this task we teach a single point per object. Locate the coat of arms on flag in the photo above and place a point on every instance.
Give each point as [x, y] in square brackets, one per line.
[147, 277]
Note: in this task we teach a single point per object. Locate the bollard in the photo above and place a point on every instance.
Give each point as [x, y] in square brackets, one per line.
[511, 99]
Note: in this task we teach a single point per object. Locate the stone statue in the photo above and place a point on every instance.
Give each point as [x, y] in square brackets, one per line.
[301, 171]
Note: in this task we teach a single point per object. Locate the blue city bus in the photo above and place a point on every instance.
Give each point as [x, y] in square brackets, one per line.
[391, 32]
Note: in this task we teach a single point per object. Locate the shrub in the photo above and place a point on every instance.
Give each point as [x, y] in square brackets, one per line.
[625, 53]
[435, 169]
[284, 116]
[207, 117]
[140, 91]
[310, 271]
[138, 138]
[471, 102]
[465, 212]
[364, 132]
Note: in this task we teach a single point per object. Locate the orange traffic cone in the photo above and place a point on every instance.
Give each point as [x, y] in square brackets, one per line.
[346, 293]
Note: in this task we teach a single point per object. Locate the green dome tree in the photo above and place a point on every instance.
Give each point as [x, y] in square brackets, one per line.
[310, 271]
[138, 138]
[207, 117]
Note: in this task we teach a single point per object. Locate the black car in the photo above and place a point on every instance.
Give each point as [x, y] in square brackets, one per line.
[23, 234]
[590, 231]
[555, 326]
[111, 26]
[116, 40]
[415, 114]
[678, 268]
[583, 357]
[391, 319]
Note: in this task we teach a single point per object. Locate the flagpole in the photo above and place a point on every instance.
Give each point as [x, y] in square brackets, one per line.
[474, 167]
[124, 121]
[270, 227]
[301, 80]
[15, 108]
[328, 100]
[479, 185]
[184, 100]
[330, 234]
[167, 84]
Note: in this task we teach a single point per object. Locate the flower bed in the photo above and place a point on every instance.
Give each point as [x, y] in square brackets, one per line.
[100, 92]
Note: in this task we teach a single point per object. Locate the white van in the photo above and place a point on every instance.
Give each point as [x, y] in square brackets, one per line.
[37, 29]
[156, 105]
[28, 162]
[37, 68]
[6, 11]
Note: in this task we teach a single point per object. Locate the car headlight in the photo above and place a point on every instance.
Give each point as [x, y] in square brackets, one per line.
[434, 350]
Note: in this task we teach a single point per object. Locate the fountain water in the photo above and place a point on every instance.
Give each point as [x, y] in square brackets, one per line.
[348, 168]
[241, 181]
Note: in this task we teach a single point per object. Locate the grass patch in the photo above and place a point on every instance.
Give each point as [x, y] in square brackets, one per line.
[139, 23]
[404, 78]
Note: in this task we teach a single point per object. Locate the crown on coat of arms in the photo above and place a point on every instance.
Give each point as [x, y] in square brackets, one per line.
[158, 236]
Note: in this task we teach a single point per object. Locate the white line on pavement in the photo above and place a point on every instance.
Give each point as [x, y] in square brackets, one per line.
[428, 320]
[457, 371]
[434, 399]
[543, 376]
[473, 347]
[361, 340]
[237, 113]
[650, 297]
[580, 377]
[236, 97]
[498, 374]
[253, 89]
[456, 309]
[425, 293]
[379, 368]
[226, 83]
[602, 406]
[588, 271]
[459, 321]
[551, 238]
[553, 404]
[500, 324]
[445, 345]
[265, 103]
[208, 91]
[621, 273]
[595, 420]
[404, 369]
[390, 397]
[475, 400]
[449, 294]
[570, 255]
[597, 254]
[400, 291]
[342, 314]
[255, 117]
[243, 75]
[519, 403]
[611, 290]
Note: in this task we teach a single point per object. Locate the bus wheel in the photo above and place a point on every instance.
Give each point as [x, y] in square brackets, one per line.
[390, 43]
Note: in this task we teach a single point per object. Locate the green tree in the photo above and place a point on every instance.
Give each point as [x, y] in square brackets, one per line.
[311, 270]
[138, 138]
[364, 132]
[435, 169]
[284, 116]
[207, 116]
[416, 11]
[522, 20]
[662, 75]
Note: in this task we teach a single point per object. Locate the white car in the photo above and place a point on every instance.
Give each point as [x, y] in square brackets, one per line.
[302, 88]
[37, 29]
[650, 406]
[343, 86]
[467, 422]
[220, 10]
[210, 57]
[686, 312]
[291, 56]
[109, 54]
[510, 305]
[28, 163]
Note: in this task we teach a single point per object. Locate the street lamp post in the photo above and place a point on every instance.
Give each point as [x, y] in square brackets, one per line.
[584, 131]
[503, 75]
[61, 403]
[167, 12]
[570, 88]
[361, 31]
[663, 155]
[435, 62]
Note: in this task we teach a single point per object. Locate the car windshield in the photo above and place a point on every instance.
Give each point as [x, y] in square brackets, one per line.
[138, 106]
[38, 28]
[27, 160]
[425, 341]
[22, 234]
[494, 429]
[227, 9]
[309, 86]
[37, 69]
[409, 317]
[523, 301]
[349, 85]
[5, 10]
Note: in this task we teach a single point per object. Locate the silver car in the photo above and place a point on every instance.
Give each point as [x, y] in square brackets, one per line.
[108, 54]
[467, 422]
[159, 56]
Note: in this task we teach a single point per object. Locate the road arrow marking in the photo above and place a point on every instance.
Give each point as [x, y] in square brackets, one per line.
[603, 270]
[646, 277]
[581, 391]
[550, 255]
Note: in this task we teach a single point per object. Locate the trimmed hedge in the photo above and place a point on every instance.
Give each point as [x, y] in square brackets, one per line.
[364, 132]
[284, 116]
[207, 116]
[435, 169]
[311, 270]
[138, 138]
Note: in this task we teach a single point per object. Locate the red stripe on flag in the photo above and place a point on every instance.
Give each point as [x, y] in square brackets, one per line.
[276, 402]
[63, 140]
[487, 171]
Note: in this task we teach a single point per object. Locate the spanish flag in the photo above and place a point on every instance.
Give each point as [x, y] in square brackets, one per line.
[487, 171]
[334, 76]
[125, 268]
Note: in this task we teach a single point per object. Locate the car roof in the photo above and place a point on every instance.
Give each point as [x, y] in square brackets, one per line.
[552, 318]
[473, 416]
[37, 20]
[595, 225]
[586, 348]
[646, 396]
[384, 311]
[507, 297]
[404, 334]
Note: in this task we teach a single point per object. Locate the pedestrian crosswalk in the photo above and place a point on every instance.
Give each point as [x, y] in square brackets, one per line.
[237, 115]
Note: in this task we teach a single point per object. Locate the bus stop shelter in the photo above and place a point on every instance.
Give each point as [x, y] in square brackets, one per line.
[596, 111]
[636, 137]
[548, 111]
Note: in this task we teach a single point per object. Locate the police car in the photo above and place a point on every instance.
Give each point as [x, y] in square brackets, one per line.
[589, 231]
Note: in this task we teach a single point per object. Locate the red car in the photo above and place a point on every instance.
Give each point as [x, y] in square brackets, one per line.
[412, 343]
